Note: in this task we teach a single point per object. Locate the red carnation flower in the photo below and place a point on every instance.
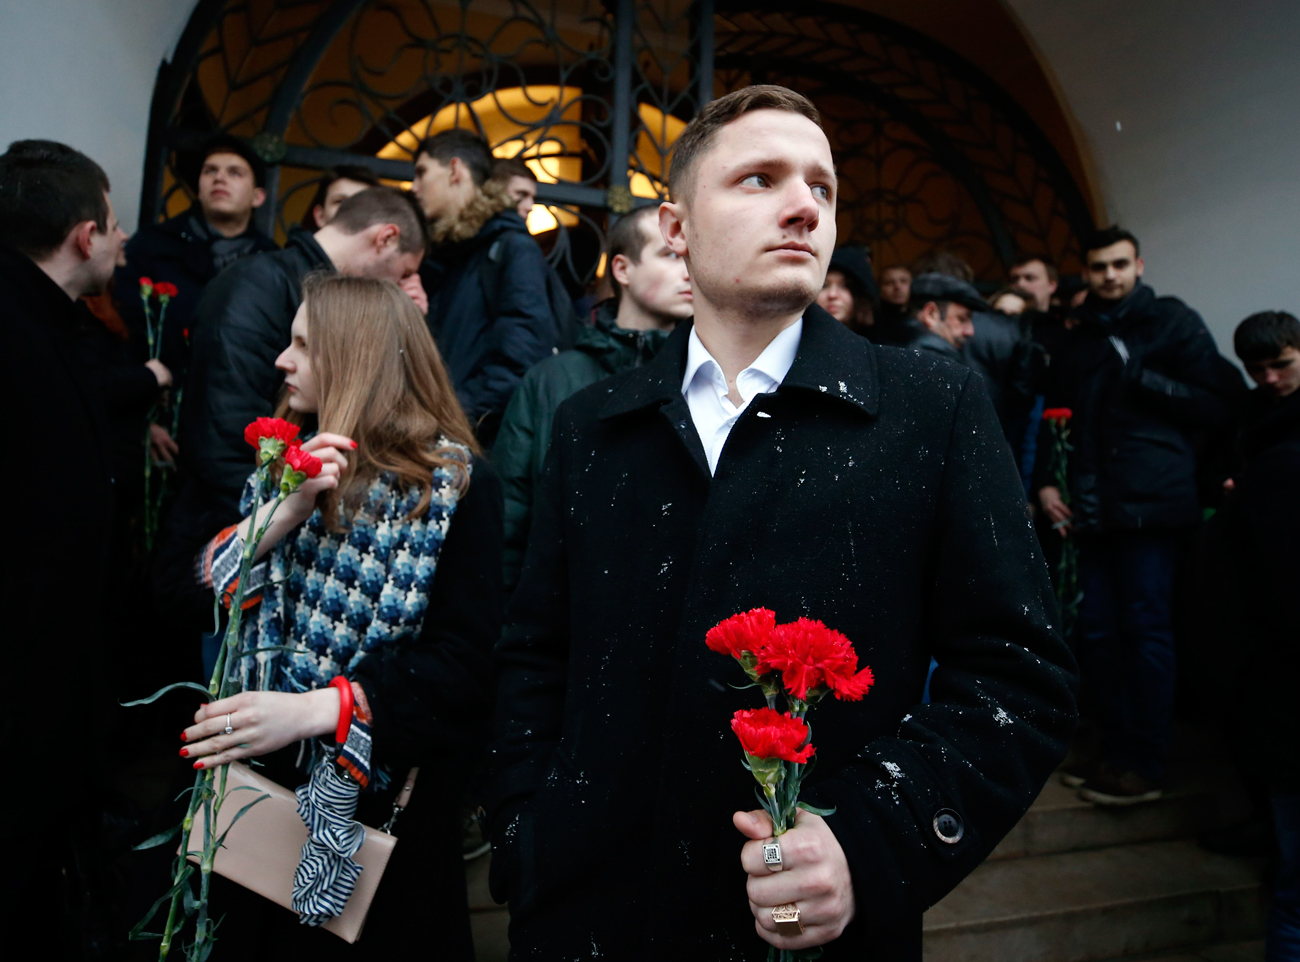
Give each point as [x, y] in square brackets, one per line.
[185, 333]
[1057, 414]
[165, 290]
[813, 658]
[302, 462]
[146, 284]
[765, 734]
[272, 429]
[745, 632]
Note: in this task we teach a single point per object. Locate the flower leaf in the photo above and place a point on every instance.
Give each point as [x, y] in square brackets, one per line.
[238, 815]
[162, 691]
[162, 838]
[814, 810]
[138, 933]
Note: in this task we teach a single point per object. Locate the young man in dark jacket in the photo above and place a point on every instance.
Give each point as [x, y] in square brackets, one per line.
[241, 326]
[1142, 376]
[59, 240]
[190, 249]
[652, 292]
[1260, 525]
[490, 289]
[767, 456]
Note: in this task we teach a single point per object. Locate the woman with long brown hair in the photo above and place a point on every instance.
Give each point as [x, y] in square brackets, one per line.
[379, 585]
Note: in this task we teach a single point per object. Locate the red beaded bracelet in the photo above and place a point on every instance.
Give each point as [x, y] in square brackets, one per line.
[345, 707]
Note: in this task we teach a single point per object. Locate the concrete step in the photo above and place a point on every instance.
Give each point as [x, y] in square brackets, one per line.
[1087, 906]
[1059, 821]
[1252, 951]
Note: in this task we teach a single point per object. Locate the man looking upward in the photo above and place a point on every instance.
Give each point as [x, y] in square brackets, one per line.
[190, 249]
[767, 457]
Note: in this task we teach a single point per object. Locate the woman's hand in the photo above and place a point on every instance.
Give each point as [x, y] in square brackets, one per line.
[262, 721]
[299, 506]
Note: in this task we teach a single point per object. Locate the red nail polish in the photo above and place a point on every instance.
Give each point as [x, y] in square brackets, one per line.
[198, 765]
[184, 737]
[354, 445]
[185, 753]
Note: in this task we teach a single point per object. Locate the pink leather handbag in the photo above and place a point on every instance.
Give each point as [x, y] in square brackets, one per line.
[261, 852]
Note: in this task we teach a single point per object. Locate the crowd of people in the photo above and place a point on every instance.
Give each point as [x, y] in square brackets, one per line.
[529, 513]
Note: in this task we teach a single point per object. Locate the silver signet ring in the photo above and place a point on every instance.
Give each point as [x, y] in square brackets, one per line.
[772, 856]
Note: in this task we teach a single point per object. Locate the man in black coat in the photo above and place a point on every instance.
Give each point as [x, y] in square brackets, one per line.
[1142, 378]
[59, 240]
[241, 326]
[769, 457]
[493, 299]
[941, 323]
[190, 249]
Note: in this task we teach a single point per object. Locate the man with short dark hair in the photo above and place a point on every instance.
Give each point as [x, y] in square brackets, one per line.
[59, 241]
[1037, 277]
[652, 292]
[492, 296]
[519, 181]
[766, 457]
[242, 324]
[1142, 376]
[941, 308]
[190, 249]
[336, 185]
[1260, 529]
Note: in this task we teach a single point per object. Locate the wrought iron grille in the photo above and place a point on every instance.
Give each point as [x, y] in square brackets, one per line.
[931, 153]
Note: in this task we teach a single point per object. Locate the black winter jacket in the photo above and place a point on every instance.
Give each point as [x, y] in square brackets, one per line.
[602, 349]
[1144, 381]
[487, 353]
[872, 490]
[1259, 573]
[180, 251]
[241, 326]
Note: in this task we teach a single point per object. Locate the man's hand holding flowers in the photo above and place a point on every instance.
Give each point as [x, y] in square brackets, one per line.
[814, 875]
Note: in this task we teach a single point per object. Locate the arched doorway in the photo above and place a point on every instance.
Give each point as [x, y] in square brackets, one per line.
[592, 94]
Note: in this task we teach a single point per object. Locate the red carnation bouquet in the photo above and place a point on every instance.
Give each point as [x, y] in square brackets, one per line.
[804, 661]
[277, 445]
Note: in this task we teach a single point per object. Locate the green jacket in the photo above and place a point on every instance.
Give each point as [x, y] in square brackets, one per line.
[601, 350]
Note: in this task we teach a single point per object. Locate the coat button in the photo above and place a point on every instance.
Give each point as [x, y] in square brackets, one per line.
[948, 826]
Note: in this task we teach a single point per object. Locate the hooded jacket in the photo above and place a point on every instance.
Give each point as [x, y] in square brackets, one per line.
[486, 351]
[1145, 382]
[602, 349]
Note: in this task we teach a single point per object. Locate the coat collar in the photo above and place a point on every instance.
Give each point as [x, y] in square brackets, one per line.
[832, 362]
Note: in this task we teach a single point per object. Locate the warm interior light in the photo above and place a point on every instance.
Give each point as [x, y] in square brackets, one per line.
[509, 119]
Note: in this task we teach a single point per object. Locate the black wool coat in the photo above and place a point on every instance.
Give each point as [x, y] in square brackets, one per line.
[874, 491]
[53, 589]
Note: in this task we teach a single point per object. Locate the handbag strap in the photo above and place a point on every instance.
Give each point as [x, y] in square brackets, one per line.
[402, 800]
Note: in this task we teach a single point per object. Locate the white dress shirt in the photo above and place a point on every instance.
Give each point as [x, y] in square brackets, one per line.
[705, 386]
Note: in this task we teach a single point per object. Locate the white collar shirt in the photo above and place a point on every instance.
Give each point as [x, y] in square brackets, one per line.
[705, 386]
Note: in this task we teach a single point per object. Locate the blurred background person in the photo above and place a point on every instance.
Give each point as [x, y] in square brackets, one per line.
[1010, 301]
[337, 184]
[519, 182]
[849, 292]
[895, 295]
[942, 307]
[652, 293]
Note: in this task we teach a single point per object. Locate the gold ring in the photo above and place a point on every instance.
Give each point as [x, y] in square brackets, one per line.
[787, 921]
